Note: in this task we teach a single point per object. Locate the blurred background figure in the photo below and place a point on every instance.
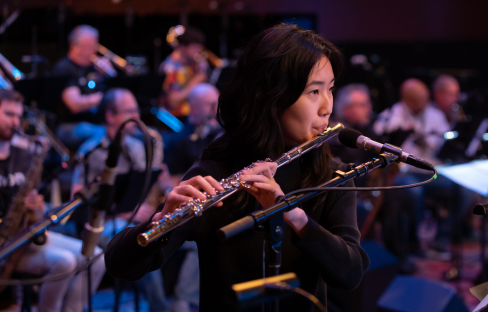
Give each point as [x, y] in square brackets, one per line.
[82, 94]
[184, 148]
[445, 90]
[117, 106]
[412, 124]
[353, 108]
[418, 128]
[60, 255]
[184, 68]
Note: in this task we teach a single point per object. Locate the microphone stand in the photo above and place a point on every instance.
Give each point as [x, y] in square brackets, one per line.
[482, 210]
[272, 217]
[83, 197]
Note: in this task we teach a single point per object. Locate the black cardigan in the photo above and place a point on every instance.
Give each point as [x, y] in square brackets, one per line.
[329, 250]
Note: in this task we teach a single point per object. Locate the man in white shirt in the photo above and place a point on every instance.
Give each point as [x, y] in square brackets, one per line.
[422, 127]
[427, 124]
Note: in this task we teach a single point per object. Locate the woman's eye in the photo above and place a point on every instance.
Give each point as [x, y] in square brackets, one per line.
[316, 91]
[332, 89]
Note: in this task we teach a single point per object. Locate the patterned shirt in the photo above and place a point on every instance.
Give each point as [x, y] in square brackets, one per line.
[177, 76]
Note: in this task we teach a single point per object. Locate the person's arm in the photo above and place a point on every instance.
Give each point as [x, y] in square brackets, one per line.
[175, 97]
[77, 179]
[333, 242]
[77, 102]
[126, 259]
[35, 204]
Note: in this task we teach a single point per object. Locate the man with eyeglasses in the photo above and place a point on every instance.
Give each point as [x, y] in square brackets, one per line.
[117, 106]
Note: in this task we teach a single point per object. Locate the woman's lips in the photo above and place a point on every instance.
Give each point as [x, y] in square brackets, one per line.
[321, 128]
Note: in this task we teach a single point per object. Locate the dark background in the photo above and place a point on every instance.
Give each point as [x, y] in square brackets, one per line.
[400, 39]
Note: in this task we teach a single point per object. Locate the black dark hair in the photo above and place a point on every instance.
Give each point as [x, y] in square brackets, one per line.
[191, 35]
[271, 74]
[10, 95]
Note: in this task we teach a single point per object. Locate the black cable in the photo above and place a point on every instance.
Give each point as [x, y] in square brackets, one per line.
[301, 292]
[381, 188]
[149, 159]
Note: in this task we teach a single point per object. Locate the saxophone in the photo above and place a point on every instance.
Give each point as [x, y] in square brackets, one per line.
[15, 218]
[232, 184]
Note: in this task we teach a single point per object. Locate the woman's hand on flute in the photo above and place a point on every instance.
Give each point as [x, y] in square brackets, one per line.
[186, 190]
[266, 190]
[263, 184]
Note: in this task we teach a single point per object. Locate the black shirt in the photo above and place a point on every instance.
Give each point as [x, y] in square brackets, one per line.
[183, 149]
[12, 175]
[328, 253]
[87, 79]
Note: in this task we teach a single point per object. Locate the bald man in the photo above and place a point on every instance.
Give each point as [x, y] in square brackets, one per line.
[425, 123]
[425, 126]
[184, 148]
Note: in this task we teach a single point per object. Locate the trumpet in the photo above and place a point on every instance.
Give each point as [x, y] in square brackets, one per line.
[103, 65]
[117, 60]
[103, 62]
[195, 207]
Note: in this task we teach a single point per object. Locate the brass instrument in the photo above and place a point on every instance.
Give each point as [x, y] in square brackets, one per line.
[125, 66]
[103, 65]
[15, 217]
[232, 184]
[117, 60]
[211, 126]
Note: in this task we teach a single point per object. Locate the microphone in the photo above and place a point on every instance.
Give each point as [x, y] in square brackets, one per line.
[94, 227]
[354, 139]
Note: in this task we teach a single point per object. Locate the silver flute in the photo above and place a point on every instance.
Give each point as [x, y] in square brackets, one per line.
[232, 184]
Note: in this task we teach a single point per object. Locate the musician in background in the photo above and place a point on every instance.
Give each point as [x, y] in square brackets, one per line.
[182, 149]
[117, 106]
[60, 254]
[82, 94]
[353, 108]
[423, 126]
[445, 90]
[184, 69]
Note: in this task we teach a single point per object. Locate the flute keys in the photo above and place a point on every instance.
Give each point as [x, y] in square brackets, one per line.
[197, 210]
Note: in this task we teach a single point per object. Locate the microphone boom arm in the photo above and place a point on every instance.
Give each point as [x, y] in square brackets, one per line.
[260, 217]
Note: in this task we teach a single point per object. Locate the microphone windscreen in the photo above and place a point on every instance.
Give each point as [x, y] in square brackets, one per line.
[349, 137]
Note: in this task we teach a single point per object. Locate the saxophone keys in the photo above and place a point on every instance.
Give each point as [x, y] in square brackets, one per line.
[153, 224]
